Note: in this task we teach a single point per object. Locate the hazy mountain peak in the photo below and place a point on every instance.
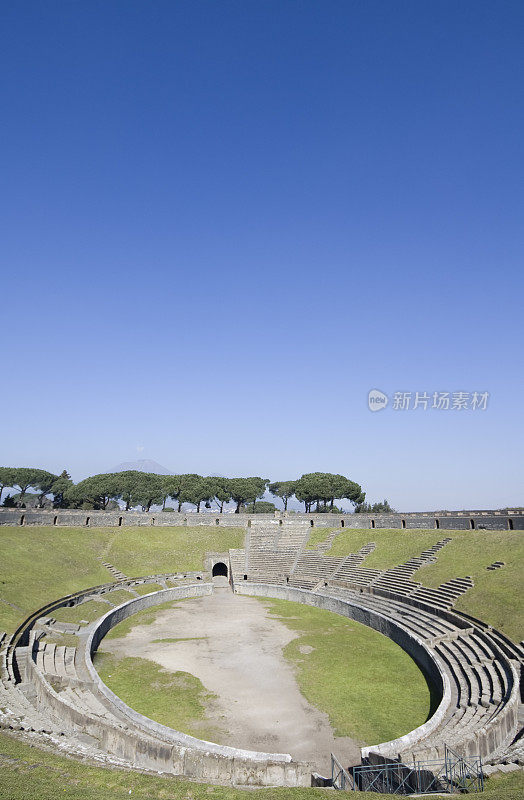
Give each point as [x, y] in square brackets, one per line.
[142, 465]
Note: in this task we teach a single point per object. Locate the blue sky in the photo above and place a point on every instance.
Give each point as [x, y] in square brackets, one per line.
[223, 223]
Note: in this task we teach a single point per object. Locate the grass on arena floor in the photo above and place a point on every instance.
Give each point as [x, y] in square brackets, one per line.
[498, 595]
[176, 699]
[369, 687]
[29, 773]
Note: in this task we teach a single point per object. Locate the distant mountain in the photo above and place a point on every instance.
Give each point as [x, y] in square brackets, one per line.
[142, 465]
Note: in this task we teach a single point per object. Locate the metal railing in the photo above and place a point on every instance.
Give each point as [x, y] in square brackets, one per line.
[451, 774]
[340, 778]
[466, 775]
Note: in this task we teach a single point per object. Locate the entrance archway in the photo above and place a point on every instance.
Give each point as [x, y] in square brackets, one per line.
[219, 569]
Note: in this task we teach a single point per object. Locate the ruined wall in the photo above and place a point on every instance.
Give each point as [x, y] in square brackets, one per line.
[448, 520]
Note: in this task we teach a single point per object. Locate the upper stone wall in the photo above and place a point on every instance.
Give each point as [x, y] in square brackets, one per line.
[443, 520]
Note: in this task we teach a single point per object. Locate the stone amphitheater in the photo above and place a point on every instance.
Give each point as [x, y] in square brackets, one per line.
[52, 694]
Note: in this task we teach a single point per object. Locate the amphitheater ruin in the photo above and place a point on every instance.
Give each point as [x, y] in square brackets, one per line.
[51, 692]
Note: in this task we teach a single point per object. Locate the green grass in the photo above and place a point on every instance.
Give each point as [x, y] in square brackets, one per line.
[40, 564]
[369, 687]
[147, 588]
[175, 699]
[352, 674]
[145, 551]
[167, 640]
[93, 609]
[90, 610]
[119, 596]
[64, 639]
[316, 537]
[145, 617]
[496, 598]
[28, 773]
[394, 546]
[9, 617]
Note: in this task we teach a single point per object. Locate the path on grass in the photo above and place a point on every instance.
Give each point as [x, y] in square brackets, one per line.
[239, 658]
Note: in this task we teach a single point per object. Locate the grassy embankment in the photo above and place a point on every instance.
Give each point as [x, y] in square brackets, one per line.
[28, 773]
[316, 537]
[497, 596]
[40, 564]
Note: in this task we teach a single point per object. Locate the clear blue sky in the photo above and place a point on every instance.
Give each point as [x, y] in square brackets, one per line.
[223, 223]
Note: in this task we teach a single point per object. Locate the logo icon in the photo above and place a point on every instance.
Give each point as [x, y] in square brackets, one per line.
[377, 400]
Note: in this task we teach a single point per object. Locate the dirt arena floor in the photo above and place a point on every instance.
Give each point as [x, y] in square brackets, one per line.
[233, 645]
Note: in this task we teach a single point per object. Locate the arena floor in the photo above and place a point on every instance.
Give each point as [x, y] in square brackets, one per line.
[234, 646]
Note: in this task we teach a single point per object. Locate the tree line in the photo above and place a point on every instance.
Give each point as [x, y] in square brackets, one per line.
[316, 490]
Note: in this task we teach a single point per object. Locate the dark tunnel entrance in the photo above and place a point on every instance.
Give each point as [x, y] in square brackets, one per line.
[219, 569]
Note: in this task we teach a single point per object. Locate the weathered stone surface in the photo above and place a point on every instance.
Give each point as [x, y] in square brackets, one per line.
[449, 520]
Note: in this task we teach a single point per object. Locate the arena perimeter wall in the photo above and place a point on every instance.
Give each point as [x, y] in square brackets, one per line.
[443, 520]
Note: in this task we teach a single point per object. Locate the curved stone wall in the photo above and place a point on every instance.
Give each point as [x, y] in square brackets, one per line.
[20, 637]
[138, 740]
[145, 744]
[414, 646]
[116, 615]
